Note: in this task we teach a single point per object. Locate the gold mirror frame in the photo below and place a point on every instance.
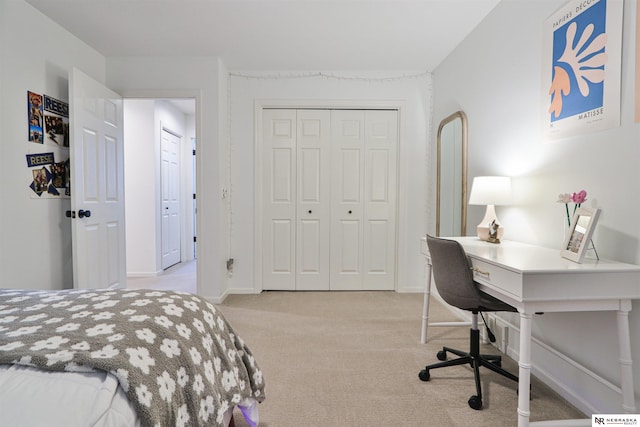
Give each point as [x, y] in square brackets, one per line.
[462, 141]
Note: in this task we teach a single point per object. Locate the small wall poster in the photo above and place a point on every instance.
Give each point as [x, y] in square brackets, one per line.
[581, 68]
[36, 114]
[48, 151]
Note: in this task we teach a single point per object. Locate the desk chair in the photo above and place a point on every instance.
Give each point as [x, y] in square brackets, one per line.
[454, 281]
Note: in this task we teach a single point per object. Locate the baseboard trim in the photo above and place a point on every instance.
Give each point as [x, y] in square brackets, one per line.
[142, 275]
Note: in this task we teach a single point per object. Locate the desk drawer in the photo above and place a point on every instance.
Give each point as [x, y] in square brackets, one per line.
[504, 280]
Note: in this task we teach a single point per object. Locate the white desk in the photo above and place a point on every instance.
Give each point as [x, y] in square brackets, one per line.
[535, 279]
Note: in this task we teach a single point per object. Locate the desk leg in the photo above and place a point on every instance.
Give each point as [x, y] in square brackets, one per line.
[425, 304]
[524, 378]
[626, 364]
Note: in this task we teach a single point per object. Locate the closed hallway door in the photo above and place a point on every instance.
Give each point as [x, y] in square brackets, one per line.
[170, 190]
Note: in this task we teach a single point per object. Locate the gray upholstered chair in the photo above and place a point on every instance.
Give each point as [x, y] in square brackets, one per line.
[454, 281]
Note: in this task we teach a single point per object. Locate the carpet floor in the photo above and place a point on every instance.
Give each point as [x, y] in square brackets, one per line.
[352, 359]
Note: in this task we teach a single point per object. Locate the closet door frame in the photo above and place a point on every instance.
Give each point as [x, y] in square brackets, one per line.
[401, 181]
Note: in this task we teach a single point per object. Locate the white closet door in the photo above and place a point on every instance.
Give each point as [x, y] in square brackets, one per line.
[364, 173]
[381, 142]
[313, 209]
[329, 191]
[279, 193]
[347, 167]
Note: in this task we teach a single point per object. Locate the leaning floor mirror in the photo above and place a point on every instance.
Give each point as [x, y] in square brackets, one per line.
[451, 193]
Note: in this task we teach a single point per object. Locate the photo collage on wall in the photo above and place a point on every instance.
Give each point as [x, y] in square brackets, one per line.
[48, 152]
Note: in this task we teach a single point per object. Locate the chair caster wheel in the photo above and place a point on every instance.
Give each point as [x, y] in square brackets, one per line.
[442, 355]
[424, 375]
[475, 403]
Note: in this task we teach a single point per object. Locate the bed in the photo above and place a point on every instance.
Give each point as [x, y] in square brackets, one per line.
[122, 358]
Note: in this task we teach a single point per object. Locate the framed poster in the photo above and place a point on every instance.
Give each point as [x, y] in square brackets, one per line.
[582, 52]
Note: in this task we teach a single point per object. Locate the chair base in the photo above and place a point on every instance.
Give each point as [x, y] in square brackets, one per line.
[473, 358]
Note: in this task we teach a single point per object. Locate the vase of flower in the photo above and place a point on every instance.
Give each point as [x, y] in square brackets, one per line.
[576, 198]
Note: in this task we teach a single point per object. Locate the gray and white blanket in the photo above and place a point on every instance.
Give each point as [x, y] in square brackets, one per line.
[174, 354]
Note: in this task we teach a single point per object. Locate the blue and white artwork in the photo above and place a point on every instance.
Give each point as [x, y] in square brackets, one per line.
[581, 68]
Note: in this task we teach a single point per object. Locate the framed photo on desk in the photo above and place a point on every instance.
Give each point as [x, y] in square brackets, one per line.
[578, 237]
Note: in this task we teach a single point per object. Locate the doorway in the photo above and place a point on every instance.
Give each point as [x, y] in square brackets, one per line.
[148, 124]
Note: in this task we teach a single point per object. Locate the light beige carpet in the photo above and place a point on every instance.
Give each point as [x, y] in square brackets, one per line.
[352, 359]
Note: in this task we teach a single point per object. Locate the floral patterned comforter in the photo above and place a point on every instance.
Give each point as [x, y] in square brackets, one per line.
[174, 354]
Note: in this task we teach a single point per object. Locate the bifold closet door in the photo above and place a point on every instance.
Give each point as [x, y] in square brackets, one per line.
[313, 196]
[296, 193]
[279, 149]
[363, 193]
[329, 199]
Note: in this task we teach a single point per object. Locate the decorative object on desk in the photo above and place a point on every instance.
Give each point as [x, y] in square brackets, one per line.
[578, 237]
[577, 198]
[490, 191]
[493, 232]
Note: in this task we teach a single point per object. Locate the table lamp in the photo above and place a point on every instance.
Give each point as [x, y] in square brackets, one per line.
[490, 191]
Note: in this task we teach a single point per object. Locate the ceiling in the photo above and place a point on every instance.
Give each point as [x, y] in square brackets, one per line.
[250, 35]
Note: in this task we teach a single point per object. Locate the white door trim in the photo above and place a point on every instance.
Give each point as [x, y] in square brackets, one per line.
[402, 181]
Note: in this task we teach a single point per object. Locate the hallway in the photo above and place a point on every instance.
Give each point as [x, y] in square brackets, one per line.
[180, 277]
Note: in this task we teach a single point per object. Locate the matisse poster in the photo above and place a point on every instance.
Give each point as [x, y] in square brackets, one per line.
[581, 68]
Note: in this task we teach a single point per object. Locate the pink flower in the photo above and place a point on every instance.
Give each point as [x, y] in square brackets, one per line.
[579, 198]
[576, 198]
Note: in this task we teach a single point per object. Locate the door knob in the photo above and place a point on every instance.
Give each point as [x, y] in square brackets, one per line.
[309, 210]
[70, 214]
[82, 213]
[349, 212]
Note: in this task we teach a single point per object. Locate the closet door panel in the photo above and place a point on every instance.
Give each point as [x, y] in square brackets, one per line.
[381, 141]
[347, 154]
[279, 193]
[313, 199]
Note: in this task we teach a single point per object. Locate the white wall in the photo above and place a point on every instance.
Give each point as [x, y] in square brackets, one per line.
[35, 55]
[414, 94]
[140, 182]
[494, 76]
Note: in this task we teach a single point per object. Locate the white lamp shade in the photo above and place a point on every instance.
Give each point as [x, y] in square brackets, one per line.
[490, 190]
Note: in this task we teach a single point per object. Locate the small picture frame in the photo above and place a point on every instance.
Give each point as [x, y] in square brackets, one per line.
[578, 238]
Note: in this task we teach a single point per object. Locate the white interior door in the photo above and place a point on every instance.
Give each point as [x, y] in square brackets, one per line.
[279, 133]
[347, 164]
[313, 201]
[363, 232]
[380, 174]
[170, 190]
[96, 155]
